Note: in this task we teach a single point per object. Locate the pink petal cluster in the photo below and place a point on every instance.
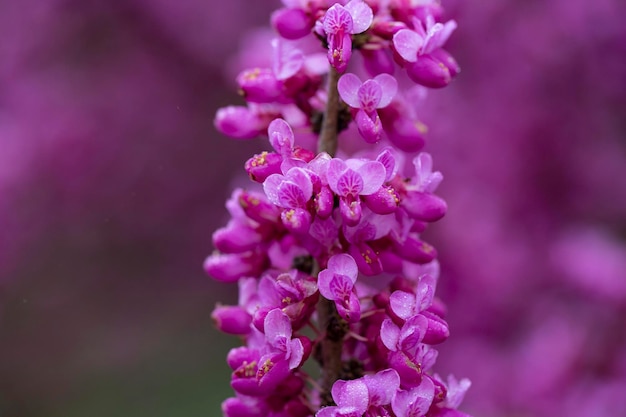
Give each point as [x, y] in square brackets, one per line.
[344, 229]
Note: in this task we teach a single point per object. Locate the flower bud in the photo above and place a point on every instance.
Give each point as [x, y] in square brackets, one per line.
[239, 122]
[259, 85]
[437, 331]
[415, 250]
[429, 72]
[230, 267]
[424, 206]
[383, 201]
[236, 238]
[291, 23]
[262, 165]
[232, 319]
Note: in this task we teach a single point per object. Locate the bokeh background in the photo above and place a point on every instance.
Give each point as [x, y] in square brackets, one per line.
[112, 179]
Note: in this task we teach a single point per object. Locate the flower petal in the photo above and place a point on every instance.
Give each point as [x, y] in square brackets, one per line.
[370, 94]
[277, 325]
[281, 136]
[390, 335]
[344, 264]
[287, 59]
[389, 88]
[348, 87]
[362, 15]
[407, 43]
[373, 174]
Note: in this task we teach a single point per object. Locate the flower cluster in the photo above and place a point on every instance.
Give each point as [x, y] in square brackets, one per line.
[327, 251]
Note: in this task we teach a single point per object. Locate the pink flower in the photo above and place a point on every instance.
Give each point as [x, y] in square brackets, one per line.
[336, 283]
[367, 97]
[339, 24]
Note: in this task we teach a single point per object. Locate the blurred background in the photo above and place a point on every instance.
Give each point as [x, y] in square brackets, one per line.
[112, 179]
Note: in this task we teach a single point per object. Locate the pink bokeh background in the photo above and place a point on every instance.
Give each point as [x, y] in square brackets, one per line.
[112, 179]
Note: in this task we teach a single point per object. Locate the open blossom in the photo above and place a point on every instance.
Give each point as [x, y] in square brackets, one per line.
[427, 63]
[339, 24]
[367, 97]
[337, 282]
[349, 180]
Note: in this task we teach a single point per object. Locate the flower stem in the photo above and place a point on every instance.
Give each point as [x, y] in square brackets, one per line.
[333, 327]
[328, 133]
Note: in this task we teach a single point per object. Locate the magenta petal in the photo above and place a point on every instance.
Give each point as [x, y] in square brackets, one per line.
[429, 72]
[244, 407]
[335, 169]
[425, 292]
[410, 373]
[291, 23]
[277, 325]
[350, 310]
[351, 394]
[366, 259]
[348, 87]
[327, 412]
[407, 43]
[387, 158]
[287, 59]
[373, 174]
[351, 212]
[389, 88]
[414, 402]
[437, 331]
[238, 122]
[340, 288]
[390, 335]
[271, 186]
[297, 353]
[344, 264]
[382, 386]
[403, 304]
[369, 95]
[426, 180]
[350, 184]
[302, 179]
[281, 136]
[324, 202]
[456, 391]
[337, 20]
[369, 128]
[232, 319]
[413, 332]
[424, 206]
[339, 51]
[383, 201]
[447, 60]
[296, 220]
[362, 15]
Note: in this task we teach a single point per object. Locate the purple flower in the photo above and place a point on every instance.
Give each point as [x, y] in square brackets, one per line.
[242, 122]
[416, 401]
[278, 336]
[339, 24]
[336, 283]
[427, 63]
[350, 179]
[419, 200]
[367, 97]
[351, 397]
[293, 192]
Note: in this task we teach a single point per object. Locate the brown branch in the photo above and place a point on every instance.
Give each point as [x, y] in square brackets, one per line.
[333, 327]
[330, 126]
